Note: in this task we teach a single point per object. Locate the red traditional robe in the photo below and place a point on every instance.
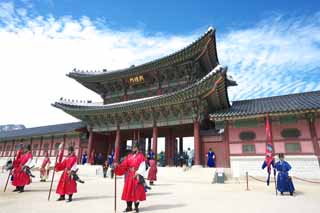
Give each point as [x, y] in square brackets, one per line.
[44, 171]
[132, 190]
[66, 185]
[152, 174]
[16, 162]
[20, 178]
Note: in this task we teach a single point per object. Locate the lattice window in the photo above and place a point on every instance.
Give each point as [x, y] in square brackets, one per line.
[290, 133]
[247, 135]
[248, 148]
[293, 147]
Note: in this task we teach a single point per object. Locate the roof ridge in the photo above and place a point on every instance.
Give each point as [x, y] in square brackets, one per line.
[104, 71]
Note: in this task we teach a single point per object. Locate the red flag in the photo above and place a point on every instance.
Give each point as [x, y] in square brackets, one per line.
[269, 147]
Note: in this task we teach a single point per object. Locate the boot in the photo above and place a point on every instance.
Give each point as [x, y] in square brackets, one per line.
[129, 207]
[70, 198]
[136, 206]
[21, 189]
[62, 197]
[17, 189]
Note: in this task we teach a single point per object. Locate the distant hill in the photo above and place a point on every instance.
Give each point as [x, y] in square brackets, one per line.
[10, 127]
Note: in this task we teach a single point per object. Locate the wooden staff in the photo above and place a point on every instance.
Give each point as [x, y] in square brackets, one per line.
[10, 173]
[54, 171]
[275, 181]
[5, 188]
[115, 193]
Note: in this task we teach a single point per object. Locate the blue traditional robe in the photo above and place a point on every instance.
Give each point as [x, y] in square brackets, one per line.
[211, 159]
[284, 182]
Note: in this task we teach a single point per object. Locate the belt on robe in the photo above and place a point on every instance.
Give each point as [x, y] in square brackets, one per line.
[132, 169]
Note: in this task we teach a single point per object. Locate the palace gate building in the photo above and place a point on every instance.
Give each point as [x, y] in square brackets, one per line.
[184, 94]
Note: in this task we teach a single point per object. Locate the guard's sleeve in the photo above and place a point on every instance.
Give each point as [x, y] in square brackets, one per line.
[142, 169]
[122, 168]
[60, 166]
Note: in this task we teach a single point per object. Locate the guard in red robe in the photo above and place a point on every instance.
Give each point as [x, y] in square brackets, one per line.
[152, 174]
[16, 164]
[45, 167]
[67, 185]
[21, 176]
[133, 166]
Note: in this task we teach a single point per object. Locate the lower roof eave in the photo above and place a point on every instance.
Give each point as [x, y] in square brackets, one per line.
[261, 115]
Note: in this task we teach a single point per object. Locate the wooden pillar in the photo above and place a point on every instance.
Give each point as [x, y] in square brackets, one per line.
[41, 144]
[117, 145]
[196, 133]
[12, 148]
[181, 145]
[155, 141]
[138, 135]
[313, 133]
[226, 141]
[90, 142]
[134, 135]
[51, 148]
[4, 149]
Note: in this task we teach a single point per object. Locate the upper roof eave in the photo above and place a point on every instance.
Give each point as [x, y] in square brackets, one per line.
[86, 77]
[194, 89]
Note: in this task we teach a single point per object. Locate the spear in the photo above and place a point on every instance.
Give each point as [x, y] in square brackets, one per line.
[54, 171]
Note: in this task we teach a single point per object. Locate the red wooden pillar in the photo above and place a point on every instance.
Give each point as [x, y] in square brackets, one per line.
[226, 141]
[117, 145]
[313, 134]
[4, 149]
[155, 141]
[138, 136]
[134, 135]
[196, 133]
[41, 144]
[90, 141]
[51, 148]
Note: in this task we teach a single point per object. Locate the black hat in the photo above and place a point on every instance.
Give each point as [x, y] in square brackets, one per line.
[70, 149]
[135, 144]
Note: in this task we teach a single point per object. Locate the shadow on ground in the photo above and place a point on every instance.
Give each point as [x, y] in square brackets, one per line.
[161, 207]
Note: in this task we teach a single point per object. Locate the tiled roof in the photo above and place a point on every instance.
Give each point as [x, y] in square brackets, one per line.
[271, 105]
[188, 53]
[42, 130]
[192, 91]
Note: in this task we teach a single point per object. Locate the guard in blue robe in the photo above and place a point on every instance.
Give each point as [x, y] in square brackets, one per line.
[211, 159]
[284, 181]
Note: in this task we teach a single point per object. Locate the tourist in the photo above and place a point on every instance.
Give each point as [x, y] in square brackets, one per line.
[211, 159]
[45, 167]
[190, 158]
[176, 159]
[110, 163]
[100, 159]
[22, 174]
[152, 174]
[134, 167]
[162, 159]
[67, 184]
[284, 181]
[84, 158]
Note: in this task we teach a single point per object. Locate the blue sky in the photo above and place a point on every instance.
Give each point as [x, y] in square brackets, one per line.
[270, 47]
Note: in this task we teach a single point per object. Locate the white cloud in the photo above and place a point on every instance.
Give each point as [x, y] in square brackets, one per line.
[36, 52]
[278, 56]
